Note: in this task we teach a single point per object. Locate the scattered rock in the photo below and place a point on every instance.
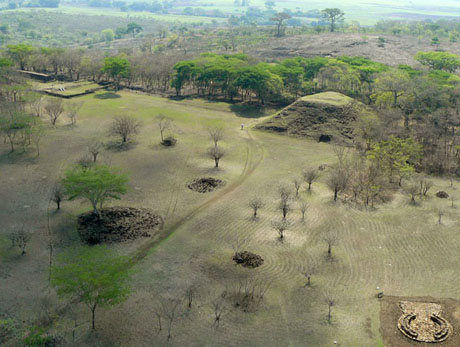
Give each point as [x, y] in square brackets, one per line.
[117, 224]
[248, 259]
[442, 195]
[205, 185]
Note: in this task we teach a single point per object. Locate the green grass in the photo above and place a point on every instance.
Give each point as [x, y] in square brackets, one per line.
[331, 98]
[396, 247]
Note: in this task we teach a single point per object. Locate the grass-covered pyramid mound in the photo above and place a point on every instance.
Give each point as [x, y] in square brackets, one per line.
[324, 117]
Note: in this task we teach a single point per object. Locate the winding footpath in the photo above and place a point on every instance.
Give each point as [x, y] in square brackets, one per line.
[253, 160]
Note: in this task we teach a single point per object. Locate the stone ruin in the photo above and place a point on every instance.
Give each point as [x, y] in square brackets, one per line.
[423, 322]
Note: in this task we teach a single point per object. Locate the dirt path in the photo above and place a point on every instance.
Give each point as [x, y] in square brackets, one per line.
[252, 162]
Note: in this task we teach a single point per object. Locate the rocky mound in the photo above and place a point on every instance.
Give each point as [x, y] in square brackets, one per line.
[324, 117]
[442, 195]
[118, 224]
[248, 259]
[205, 185]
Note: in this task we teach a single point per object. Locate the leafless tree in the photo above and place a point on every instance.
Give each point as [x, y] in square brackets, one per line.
[36, 105]
[218, 306]
[255, 204]
[331, 238]
[297, 184]
[285, 199]
[281, 226]
[125, 127]
[412, 189]
[303, 209]
[36, 135]
[309, 176]
[441, 212]
[216, 134]
[72, 111]
[20, 238]
[337, 180]
[330, 301]
[57, 195]
[308, 273]
[190, 294]
[94, 149]
[216, 153]
[54, 108]
[425, 186]
[163, 124]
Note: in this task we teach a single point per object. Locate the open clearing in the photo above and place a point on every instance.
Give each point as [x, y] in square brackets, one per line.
[399, 248]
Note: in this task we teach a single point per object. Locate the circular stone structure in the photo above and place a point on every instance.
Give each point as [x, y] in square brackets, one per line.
[423, 322]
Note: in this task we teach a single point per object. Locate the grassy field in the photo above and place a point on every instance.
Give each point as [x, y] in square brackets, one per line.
[398, 247]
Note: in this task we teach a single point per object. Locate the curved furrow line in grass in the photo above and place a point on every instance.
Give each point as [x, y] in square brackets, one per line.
[250, 166]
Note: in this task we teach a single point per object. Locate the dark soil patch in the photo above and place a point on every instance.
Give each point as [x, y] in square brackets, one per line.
[390, 312]
[169, 141]
[118, 224]
[205, 185]
[442, 195]
[248, 259]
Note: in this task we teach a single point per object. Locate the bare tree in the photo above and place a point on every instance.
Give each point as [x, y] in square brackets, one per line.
[285, 199]
[54, 108]
[216, 134]
[330, 301]
[171, 311]
[309, 176]
[297, 184]
[72, 111]
[303, 209]
[337, 180]
[412, 189]
[57, 195]
[36, 135]
[218, 306]
[281, 226]
[36, 104]
[163, 124]
[20, 238]
[125, 127]
[190, 294]
[331, 238]
[308, 273]
[425, 186]
[255, 204]
[94, 149]
[216, 153]
[440, 211]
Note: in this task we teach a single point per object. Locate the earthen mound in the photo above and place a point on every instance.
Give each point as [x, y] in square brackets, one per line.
[117, 224]
[248, 259]
[205, 185]
[324, 117]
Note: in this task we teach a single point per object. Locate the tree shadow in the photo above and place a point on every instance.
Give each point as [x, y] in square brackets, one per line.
[18, 157]
[117, 146]
[107, 95]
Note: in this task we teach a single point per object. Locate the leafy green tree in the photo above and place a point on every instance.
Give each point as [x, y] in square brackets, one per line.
[97, 183]
[108, 35]
[134, 29]
[95, 275]
[333, 16]
[395, 82]
[117, 68]
[280, 20]
[20, 53]
[396, 156]
[439, 60]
